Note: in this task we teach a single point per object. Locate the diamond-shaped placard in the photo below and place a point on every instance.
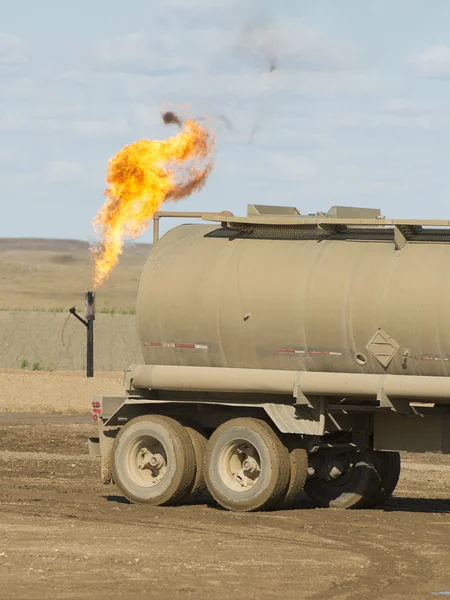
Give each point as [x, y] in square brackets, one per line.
[383, 347]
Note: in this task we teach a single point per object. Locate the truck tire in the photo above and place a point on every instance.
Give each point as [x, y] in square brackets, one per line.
[353, 489]
[389, 467]
[198, 441]
[153, 460]
[391, 474]
[298, 459]
[246, 465]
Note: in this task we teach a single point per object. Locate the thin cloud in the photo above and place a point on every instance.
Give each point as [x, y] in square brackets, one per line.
[13, 50]
[434, 62]
[63, 171]
[139, 52]
[294, 45]
[293, 168]
[101, 128]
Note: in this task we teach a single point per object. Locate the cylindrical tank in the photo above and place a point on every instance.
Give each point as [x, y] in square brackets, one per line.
[335, 304]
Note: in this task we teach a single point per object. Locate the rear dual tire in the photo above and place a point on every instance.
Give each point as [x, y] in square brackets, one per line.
[154, 461]
[158, 460]
[298, 461]
[198, 440]
[247, 466]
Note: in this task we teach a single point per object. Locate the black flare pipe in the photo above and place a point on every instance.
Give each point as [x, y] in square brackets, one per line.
[90, 317]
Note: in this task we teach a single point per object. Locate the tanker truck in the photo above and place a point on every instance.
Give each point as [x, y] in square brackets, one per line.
[283, 353]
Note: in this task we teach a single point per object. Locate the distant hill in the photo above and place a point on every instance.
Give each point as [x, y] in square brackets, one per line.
[48, 274]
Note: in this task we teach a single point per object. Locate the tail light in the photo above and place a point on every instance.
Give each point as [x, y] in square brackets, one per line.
[96, 411]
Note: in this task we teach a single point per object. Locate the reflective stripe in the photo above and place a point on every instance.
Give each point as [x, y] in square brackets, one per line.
[182, 346]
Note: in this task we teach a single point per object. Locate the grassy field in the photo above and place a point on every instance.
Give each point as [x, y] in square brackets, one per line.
[39, 281]
[46, 341]
[52, 275]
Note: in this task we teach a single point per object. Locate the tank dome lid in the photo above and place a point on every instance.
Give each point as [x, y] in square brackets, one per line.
[263, 210]
[353, 212]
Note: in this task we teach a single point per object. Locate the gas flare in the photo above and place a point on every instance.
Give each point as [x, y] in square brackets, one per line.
[140, 178]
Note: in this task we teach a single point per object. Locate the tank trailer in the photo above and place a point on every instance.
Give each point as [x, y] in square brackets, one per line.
[283, 353]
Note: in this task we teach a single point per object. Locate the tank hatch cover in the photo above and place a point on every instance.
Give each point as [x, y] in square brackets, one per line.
[353, 212]
[383, 347]
[262, 210]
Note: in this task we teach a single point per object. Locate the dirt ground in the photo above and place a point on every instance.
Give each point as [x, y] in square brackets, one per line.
[65, 536]
[55, 392]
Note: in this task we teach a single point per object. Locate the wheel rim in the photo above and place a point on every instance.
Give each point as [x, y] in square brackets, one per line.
[345, 477]
[147, 461]
[240, 465]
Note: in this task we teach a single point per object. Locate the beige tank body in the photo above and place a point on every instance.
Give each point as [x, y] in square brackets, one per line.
[297, 305]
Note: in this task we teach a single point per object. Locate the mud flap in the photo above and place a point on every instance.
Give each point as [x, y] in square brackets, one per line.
[106, 440]
[94, 446]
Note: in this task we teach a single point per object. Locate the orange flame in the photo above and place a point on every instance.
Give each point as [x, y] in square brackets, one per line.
[140, 178]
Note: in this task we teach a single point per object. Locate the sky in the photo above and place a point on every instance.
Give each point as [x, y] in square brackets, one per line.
[356, 111]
